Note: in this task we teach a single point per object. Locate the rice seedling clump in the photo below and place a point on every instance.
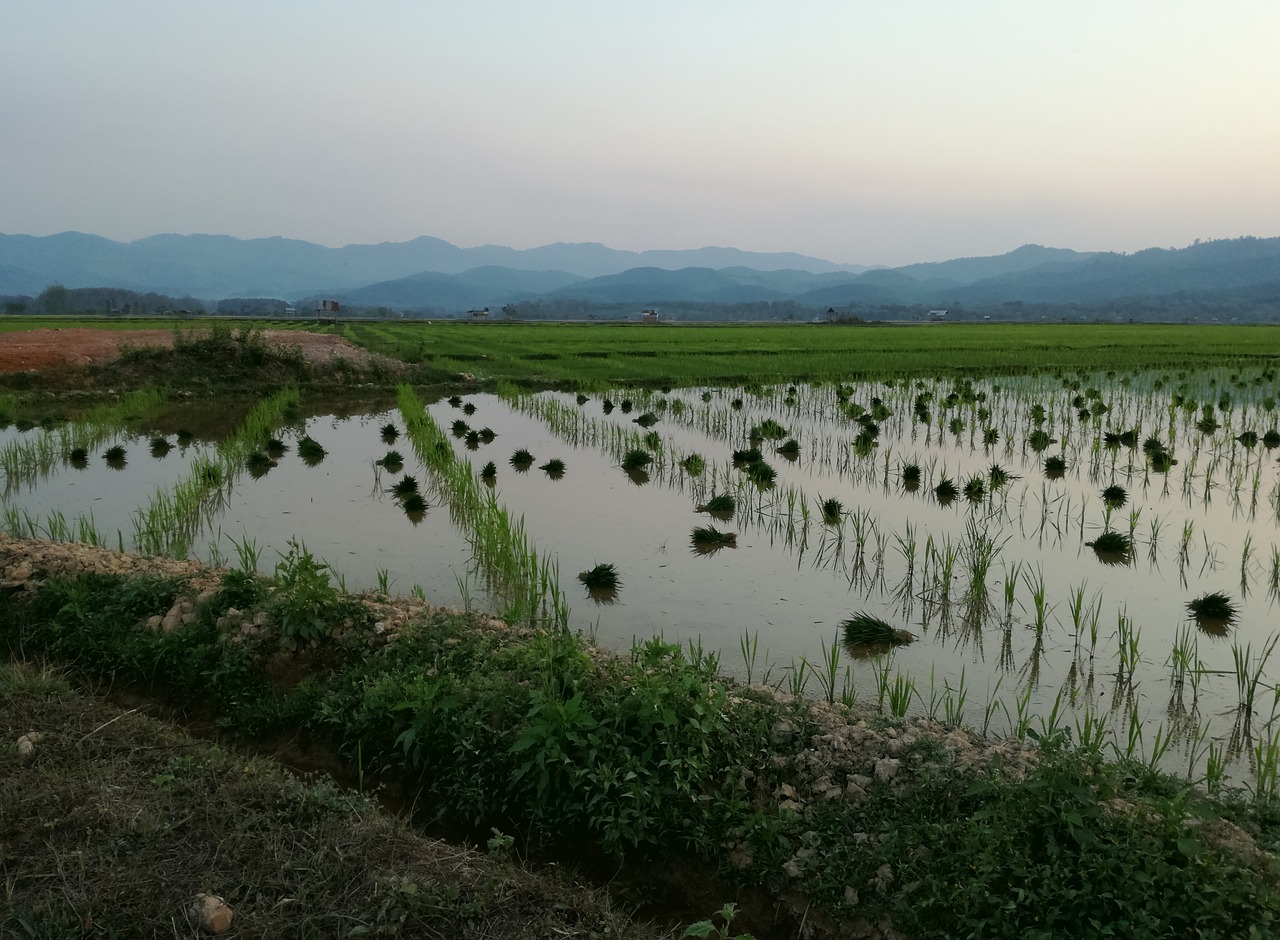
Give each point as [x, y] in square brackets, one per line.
[867, 631]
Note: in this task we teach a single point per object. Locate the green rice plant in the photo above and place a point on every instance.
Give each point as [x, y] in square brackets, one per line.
[277, 448]
[521, 460]
[248, 553]
[489, 472]
[581, 399]
[454, 401]
[1271, 440]
[708, 539]
[769, 430]
[1162, 461]
[1114, 496]
[310, 451]
[1215, 609]
[603, 577]
[1248, 438]
[468, 409]
[646, 420]
[975, 489]
[900, 693]
[828, 673]
[392, 461]
[790, 450]
[998, 477]
[115, 457]
[636, 459]
[390, 434]
[1112, 547]
[743, 458]
[486, 435]
[1039, 441]
[910, 476]
[720, 506]
[472, 440]
[160, 446]
[653, 441]
[258, 463]
[946, 490]
[77, 456]
[695, 465]
[866, 631]
[760, 473]
[414, 505]
[185, 437]
[831, 511]
[553, 468]
[1055, 468]
[459, 428]
[405, 486]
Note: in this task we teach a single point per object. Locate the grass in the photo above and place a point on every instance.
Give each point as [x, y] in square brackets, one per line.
[649, 757]
[153, 816]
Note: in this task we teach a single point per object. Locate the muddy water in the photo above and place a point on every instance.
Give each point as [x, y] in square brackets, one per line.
[790, 581]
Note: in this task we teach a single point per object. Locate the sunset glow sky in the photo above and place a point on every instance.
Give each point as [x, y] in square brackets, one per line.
[873, 133]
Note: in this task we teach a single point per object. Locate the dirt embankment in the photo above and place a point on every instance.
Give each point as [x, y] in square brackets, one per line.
[52, 348]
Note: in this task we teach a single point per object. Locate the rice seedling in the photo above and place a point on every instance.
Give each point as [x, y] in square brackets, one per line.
[646, 420]
[911, 477]
[998, 476]
[790, 450]
[769, 430]
[468, 409]
[626, 406]
[707, 539]
[405, 486]
[185, 437]
[1271, 440]
[750, 455]
[310, 451]
[1055, 468]
[521, 460]
[1114, 496]
[694, 465]
[553, 468]
[471, 440]
[720, 506]
[414, 506]
[78, 457]
[487, 435]
[946, 491]
[581, 399]
[489, 473]
[760, 473]
[1248, 438]
[867, 635]
[392, 461]
[1213, 612]
[603, 577]
[459, 428]
[454, 401]
[277, 448]
[1112, 548]
[160, 446]
[1162, 461]
[390, 433]
[636, 459]
[1040, 440]
[258, 464]
[831, 511]
[975, 489]
[115, 457]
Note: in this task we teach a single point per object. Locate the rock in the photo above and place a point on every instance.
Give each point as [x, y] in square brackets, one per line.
[887, 769]
[861, 781]
[153, 623]
[854, 792]
[211, 914]
[883, 878]
[788, 791]
[27, 743]
[851, 896]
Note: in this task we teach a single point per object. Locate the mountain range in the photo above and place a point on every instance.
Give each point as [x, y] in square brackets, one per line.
[431, 275]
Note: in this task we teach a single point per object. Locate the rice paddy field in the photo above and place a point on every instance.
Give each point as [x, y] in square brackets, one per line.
[1092, 553]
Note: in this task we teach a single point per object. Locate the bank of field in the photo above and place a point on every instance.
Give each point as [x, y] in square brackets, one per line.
[689, 354]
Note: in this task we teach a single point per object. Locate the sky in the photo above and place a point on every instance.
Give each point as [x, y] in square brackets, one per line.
[859, 132]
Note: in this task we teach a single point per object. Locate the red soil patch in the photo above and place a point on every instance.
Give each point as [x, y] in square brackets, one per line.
[37, 350]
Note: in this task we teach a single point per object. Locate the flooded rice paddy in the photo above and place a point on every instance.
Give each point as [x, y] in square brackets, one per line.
[1039, 541]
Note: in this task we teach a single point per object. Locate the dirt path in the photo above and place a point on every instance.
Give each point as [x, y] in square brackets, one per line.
[37, 350]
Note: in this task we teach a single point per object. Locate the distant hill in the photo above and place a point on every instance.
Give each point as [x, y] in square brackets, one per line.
[217, 266]
[431, 275]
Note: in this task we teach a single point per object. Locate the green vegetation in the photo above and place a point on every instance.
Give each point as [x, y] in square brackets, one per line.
[864, 629]
[648, 756]
[603, 577]
[1214, 606]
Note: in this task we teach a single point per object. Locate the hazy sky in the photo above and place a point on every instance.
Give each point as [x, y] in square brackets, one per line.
[872, 132]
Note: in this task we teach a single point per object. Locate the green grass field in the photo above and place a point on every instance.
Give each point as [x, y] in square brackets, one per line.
[682, 355]
[719, 353]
